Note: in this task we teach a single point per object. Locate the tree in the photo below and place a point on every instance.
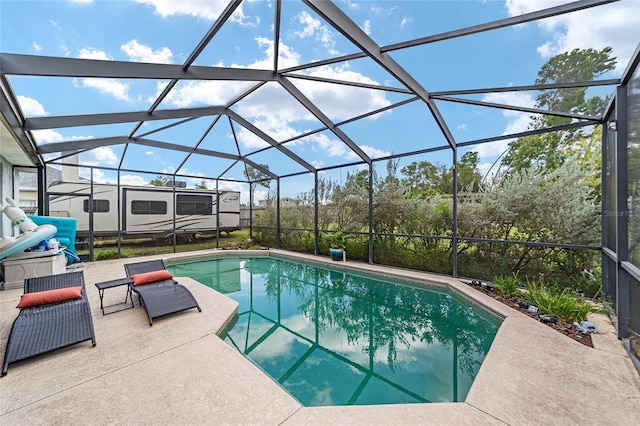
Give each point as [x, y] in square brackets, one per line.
[424, 179]
[202, 185]
[469, 176]
[255, 178]
[549, 150]
[159, 180]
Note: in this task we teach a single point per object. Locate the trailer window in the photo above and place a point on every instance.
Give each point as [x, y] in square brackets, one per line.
[194, 204]
[148, 207]
[99, 206]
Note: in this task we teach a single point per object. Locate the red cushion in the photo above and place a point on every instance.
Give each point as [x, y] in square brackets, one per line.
[150, 277]
[38, 298]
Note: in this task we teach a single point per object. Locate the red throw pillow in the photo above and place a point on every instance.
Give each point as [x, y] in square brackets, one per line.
[29, 300]
[150, 277]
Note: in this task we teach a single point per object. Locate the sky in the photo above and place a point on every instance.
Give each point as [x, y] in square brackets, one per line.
[166, 31]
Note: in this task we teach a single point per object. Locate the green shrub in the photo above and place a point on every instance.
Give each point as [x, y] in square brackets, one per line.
[507, 286]
[565, 304]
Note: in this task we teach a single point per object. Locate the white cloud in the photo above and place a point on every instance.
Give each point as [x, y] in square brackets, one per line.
[330, 146]
[342, 102]
[141, 53]
[518, 122]
[198, 93]
[250, 140]
[195, 93]
[108, 86]
[98, 174]
[209, 10]
[484, 168]
[46, 136]
[337, 101]
[55, 24]
[370, 151]
[491, 150]
[37, 47]
[132, 180]
[314, 28]
[510, 98]
[258, 195]
[100, 156]
[30, 107]
[93, 53]
[367, 27]
[616, 25]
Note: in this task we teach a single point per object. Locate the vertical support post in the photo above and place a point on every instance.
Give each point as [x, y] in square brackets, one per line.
[121, 214]
[42, 200]
[217, 213]
[278, 212]
[250, 210]
[622, 216]
[604, 194]
[175, 208]
[91, 205]
[454, 218]
[371, 212]
[316, 216]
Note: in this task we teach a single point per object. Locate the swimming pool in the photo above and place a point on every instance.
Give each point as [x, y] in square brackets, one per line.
[332, 337]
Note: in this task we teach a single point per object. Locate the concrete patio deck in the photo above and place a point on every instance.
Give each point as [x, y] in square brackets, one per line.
[181, 372]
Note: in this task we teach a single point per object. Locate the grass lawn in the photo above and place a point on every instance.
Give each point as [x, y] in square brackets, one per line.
[107, 248]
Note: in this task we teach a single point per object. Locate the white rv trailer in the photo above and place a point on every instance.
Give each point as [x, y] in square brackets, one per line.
[145, 211]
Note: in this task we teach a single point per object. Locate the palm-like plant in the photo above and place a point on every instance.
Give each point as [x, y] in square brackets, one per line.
[336, 239]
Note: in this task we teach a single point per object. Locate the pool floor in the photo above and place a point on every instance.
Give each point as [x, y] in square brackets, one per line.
[331, 337]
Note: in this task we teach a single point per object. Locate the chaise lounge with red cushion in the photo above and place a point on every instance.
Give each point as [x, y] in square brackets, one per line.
[157, 291]
[54, 313]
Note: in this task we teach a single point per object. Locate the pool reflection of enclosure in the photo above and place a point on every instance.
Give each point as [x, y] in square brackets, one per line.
[335, 338]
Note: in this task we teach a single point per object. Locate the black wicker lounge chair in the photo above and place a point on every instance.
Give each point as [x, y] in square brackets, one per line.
[162, 297]
[47, 327]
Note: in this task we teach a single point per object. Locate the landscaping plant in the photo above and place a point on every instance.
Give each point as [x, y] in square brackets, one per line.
[565, 304]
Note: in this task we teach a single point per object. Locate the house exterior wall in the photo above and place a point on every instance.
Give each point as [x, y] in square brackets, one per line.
[9, 178]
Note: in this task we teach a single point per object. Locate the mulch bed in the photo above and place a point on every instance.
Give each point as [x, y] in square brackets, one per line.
[566, 328]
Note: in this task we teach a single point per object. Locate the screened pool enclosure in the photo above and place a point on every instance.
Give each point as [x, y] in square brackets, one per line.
[431, 152]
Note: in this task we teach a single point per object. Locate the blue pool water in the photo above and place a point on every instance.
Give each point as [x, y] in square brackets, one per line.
[335, 338]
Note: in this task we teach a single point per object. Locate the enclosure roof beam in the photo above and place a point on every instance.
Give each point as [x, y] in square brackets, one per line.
[259, 133]
[49, 66]
[55, 122]
[530, 87]
[475, 29]
[517, 108]
[334, 16]
[501, 23]
[11, 119]
[222, 19]
[120, 140]
[226, 14]
[348, 83]
[313, 109]
[277, 12]
[85, 144]
[560, 128]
